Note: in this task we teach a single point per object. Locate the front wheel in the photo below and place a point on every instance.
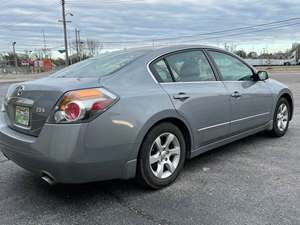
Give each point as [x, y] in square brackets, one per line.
[281, 118]
[161, 156]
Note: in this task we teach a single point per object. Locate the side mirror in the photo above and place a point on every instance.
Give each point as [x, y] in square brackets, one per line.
[262, 75]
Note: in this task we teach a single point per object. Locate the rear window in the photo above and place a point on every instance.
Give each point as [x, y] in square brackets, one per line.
[102, 65]
[162, 71]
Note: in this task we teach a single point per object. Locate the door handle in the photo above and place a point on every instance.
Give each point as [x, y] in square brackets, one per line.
[236, 94]
[181, 96]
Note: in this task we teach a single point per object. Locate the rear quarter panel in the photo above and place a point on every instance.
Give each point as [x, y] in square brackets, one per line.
[142, 103]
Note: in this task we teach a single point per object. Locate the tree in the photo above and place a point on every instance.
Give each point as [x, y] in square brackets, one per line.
[252, 55]
[92, 46]
[295, 45]
[241, 53]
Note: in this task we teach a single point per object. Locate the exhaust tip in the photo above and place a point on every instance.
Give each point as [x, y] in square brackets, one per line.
[48, 178]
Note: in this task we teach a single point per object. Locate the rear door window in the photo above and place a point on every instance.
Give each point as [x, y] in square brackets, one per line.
[190, 66]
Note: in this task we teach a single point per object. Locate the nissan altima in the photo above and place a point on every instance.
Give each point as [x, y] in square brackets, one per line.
[138, 113]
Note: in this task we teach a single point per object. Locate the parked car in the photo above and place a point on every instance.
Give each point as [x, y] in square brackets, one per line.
[138, 113]
[294, 58]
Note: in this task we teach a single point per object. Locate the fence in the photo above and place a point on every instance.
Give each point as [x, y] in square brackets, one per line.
[34, 67]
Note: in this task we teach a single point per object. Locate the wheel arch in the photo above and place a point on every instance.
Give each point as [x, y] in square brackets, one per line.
[183, 128]
[289, 98]
[171, 117]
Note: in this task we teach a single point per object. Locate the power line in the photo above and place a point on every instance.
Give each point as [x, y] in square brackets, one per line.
[78, 2]
[222, 36]
[202, 34]
[234, 29]
[210, 38]
[249, 32]
[186, 36]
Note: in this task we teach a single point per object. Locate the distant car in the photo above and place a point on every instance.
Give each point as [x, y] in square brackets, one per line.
[294, 59]
[138, 113]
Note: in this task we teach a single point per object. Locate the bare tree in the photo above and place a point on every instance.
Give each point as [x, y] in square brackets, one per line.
[92, 46]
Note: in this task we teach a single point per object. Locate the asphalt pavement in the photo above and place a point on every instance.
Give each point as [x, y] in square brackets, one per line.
[252, 181]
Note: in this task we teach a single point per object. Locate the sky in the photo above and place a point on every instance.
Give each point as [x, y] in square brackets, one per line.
[137, 22]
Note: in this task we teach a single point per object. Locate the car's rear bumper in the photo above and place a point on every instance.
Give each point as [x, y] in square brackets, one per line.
[60, 151]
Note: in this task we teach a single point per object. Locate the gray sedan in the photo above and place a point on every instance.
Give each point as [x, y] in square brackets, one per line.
[138, 113]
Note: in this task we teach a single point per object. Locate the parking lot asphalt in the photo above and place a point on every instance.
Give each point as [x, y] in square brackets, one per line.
[252, 181]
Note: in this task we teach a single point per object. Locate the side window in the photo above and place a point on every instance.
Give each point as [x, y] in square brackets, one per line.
[190, 66]
[230, 67]
[161, 72]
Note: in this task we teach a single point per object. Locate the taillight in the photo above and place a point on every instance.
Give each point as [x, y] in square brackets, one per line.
[74, 111]
[82, 105]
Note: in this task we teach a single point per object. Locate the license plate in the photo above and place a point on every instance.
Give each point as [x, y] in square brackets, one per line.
[22, 116]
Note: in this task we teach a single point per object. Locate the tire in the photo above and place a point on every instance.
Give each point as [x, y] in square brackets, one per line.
[280, 128]
[167, 160]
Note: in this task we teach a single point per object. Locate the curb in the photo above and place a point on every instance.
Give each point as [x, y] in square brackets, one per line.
[20, 79]
[14, 80]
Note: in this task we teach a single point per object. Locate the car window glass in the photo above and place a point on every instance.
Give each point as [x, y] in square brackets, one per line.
[230, 67]
[102, 65]
[190, 66]
[162, 72]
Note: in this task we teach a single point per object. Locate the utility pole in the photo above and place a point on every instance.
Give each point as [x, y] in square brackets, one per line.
[70, 48]
[65, 31]
[45, 44]
[76, 41]
[79, 43]
[298, 55]
[15, 56]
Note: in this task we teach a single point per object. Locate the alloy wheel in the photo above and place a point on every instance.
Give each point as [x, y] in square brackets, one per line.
[282, 117]
[164, 155]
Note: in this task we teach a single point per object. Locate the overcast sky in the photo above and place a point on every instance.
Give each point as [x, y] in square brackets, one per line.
[121, 20]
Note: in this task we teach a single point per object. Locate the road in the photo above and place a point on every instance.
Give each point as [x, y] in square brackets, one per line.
[252, 181]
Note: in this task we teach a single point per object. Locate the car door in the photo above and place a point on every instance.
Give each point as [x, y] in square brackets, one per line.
[251, 101]
[197, 95]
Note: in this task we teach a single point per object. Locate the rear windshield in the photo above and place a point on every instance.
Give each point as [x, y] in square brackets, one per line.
[102, 65]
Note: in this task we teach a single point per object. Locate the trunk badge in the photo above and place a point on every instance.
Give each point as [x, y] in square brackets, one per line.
[20, 90]
[40, 109]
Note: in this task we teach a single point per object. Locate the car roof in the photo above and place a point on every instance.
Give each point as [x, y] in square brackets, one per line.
[174, 48]
[152, 53]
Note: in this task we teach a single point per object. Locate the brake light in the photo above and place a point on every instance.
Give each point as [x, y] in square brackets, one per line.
[81, 105]
[101, 105]
[73, 111]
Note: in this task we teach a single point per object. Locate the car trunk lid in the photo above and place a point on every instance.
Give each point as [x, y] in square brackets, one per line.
[34, 100]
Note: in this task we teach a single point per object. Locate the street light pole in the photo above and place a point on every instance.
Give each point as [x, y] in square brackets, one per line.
[15, 56]
[65, 31]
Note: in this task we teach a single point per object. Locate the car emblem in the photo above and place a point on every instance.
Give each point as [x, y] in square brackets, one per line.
[20, 90]
[39, 109]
